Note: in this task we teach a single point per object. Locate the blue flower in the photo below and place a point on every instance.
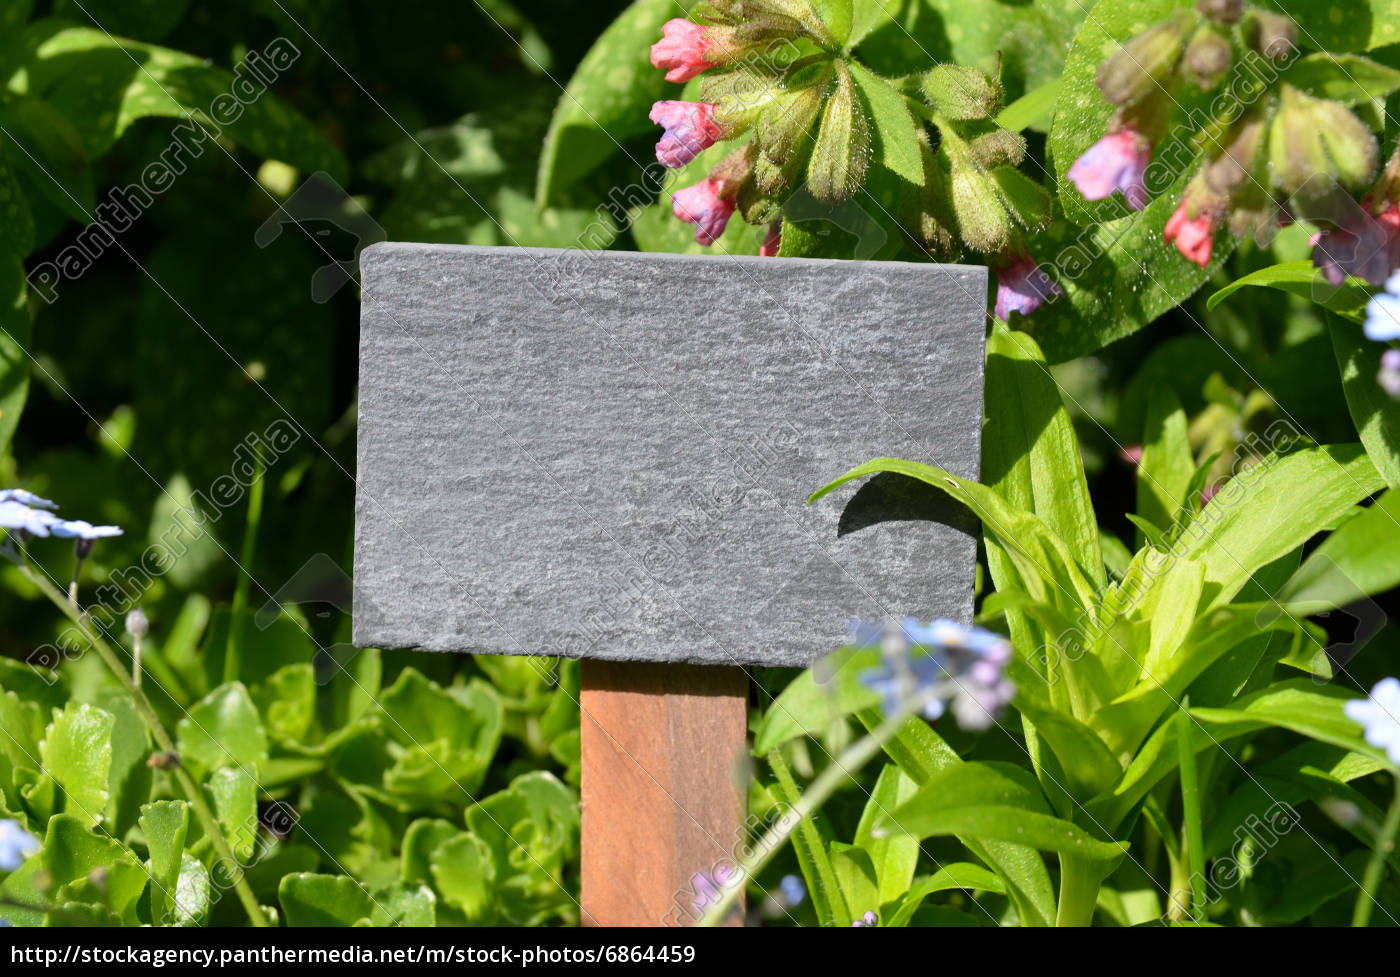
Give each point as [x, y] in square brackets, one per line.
[1389, 375]
[16, 845]
[79, 529]
[17, 515]
[793, 890]
[26, 497]
[1383, 315]
[1379, 717]
[926, 667]
[869, 919]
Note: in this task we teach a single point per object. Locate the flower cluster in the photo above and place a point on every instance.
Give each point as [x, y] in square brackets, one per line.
[927, 666]
[24, 512]
[1379, 716]
[773, 71]
[1287, 156]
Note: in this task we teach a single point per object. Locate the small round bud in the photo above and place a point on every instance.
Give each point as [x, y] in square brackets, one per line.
[136, 623]
[1207, 58]
[1275, 36]
[1225, 12]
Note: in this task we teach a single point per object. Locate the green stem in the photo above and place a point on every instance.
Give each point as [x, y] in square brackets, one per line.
[1385, 843]
[233, 653]
[851, 759]
[1079, 891]
[143, 705]
[1191, 811]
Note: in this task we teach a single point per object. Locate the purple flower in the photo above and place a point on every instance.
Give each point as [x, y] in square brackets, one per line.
[690, 130]
[1361, 246]
[1389, 375]
[1379, 716]
[18, 516]
[1117, 162]
[1022, 287]
[703, 206]
[26, 497]
[16, 845]
[869, 919]
[79, 529]
[928, 666]
[681, 50]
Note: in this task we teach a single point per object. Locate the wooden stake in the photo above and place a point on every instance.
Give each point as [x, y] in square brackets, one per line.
[662, 795]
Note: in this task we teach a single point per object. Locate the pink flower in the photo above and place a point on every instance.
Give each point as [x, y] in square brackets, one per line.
[703, 206]
[771, 243]
[1131, 453]
[1022, 287]
[1194, 237]
[690, 130]
[681, 50]
[1118, 161]
[1361, 245]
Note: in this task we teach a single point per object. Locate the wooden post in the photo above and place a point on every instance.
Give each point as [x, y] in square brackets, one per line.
[662, 748]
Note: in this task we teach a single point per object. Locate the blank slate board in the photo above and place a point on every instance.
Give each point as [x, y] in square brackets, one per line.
[608, 455]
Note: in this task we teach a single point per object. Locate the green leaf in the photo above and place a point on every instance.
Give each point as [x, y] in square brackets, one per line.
[957, 875]
[404, 905]
[447, 736]
[1300, 705]
[43, 145]
[823, 886]
[222, 729]
[837, 16]
[122, 81]
[287, 701]
[16, 222]
[1301, 278]
[1347, 78]
[419, 842]
[893, 858]
[149, 20]
[308, 899]
[71, 854]
[532, 830]
[896, 133]
[129, 779]
[464, 871]
[607, 100]
[192, 893]
[77, 754]
[982, 801]
[1268, 510]
[1360, 558]
[1164, 473]
[1360, 26]
[818, 697]
[1375, 414]
[1030, 454]
[855, 874]
[165, 824]
[1033, 110]
[233, 794]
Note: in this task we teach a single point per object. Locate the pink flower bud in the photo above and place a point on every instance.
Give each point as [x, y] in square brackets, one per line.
[1117, 162]
[1022, 287]
[1193, 237]
[703, 206]
[690, 130]
[681, 51]
[773, 241]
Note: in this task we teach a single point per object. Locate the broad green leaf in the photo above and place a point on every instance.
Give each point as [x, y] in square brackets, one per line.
[817, 698]
[192, 893]
[14, 325]
[148, 20]
[72, 852]
[855, 873]
[1360, 558]
[1300, 705]
[981, 801]
[129, 778]
[446, 737]
[532, 829]
[1346, 78]
[464, 872]
[77, 754]
[1375, 414]
[1165, 471]
[607, 100]
[222, 729]
[1270, 509]
[895, 131]
[921, 753]
[1174, 614]
[1033, 110]
[958, 875]
[1301, 278]
[122, 81]
[1328, 26]
[404, 905]
[1086, 764]
[287, 701]
[233, 794]
[308, 899]
[419, 842]
[895, 856]
[1030, 454]
[165, 825]
[43, 145]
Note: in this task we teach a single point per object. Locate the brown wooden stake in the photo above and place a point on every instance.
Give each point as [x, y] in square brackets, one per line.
[662, 793]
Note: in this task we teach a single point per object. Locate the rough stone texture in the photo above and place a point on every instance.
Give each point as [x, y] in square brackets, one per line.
[608, 455]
